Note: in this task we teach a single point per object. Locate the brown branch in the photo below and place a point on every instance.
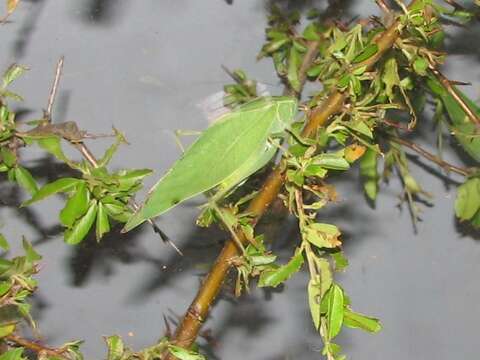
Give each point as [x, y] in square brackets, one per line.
[36, 347]
[451, 90]
[433, 158]
[53, 91]
[198, 311]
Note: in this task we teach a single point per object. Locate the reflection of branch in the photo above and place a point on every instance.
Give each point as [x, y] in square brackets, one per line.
[443, 164]
[448, 86]
[198, 311]
[36, 347]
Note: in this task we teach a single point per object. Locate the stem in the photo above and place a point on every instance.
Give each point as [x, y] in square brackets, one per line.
[198, 311]
[35, 347]
[433, 158]
[451, 90]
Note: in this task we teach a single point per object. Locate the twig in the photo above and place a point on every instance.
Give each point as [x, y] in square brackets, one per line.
[435, 159]
[198, 311]
[53, 91]
[451, 90]
[36, 347]
[88, 155]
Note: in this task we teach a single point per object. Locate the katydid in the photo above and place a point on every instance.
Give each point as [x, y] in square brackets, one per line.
[228, 152]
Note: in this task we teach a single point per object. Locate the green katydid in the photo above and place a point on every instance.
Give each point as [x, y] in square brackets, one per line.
[229, 151]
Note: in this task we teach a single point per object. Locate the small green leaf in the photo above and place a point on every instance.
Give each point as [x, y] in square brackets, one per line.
[4, 287]
[322, 235]
[362, 128]
[4, 243]
[314, 297]
[30, 254]
[341, 262]
[15, 354]
[81, 228]
[274, 45]
[25, 180]
[103, 225]
[184, 354]
[13, 73]
[334, 310]
[369, 51]
[6, 330]
[60, 185]
[359, 321]
[127, 179]
[52, 144]
[310, 33]
[8, 157]
[276, 277]
[76, 205]
[467, 202]
[331, 161]
[420, 66]
[119, 139]
[116, 347]
[293, 66]
[390, 77]
[368, 171]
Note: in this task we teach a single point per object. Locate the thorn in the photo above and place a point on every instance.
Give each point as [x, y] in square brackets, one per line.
[165, 237]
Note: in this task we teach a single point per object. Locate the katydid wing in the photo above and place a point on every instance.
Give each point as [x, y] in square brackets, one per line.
[229, 151]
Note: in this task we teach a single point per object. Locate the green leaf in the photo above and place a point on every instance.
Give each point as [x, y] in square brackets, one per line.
[4, 287]
[420, 66]
[335, 310]
[13, 73]
[76, 205]
[30, 254]
[467, 202]
[127, 179]
[314, 298]
[362, 128]
[368, 171]
[103, 225]
[293, 66]
[52, 144]
[310, 33]
[60, 185]
[273, 46]
[6, 330]
[359, 321]
[8, 157]
[116, 347]
[390, 77]
[184, 354]
[119, 139]
[4, 243]
[14, 354]
[276, 277]
[81, 228]
[227, 147]
[341, 262]
[369, 51]
[331, 161]
[25, 180]
[322, 235]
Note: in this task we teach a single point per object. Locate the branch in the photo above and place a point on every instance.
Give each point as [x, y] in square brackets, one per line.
[433, 158]
[199, 309]
[89, 156]
[36, 347]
